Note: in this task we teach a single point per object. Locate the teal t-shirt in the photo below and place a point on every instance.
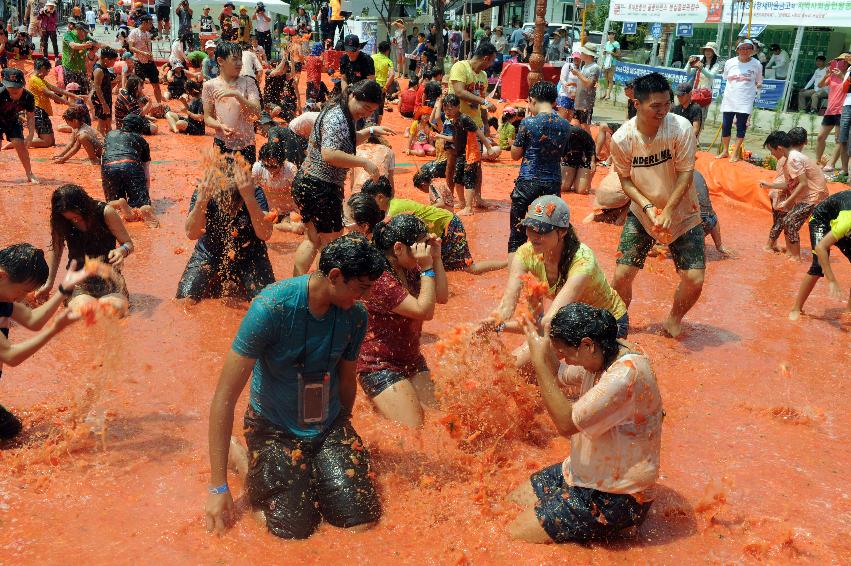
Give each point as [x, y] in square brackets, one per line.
[280, 332]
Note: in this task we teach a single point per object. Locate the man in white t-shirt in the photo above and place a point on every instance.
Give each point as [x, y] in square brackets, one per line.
[263, 29]
[653, 154]
[139, 41]
[779, 61]
[91, 19]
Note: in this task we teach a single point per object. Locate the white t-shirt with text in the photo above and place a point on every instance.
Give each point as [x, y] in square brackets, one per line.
[740, 91]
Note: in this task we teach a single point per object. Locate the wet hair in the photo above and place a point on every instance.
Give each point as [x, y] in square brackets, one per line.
[134, 83]
[493, 122]
[777, 139]
[568, 252]
[136, 124]
[629, 84]
[797, 136]
[354, 256]
[384, 47]
[227, 49]
[24, 263]
[484, 49]
[544, 91]
[451, 100]
[108, 53]
[413, 82]
[75, 112]
[403, 228]
[71, 198]
[192, 87]
[380, 187]
[365, 91]
[41, 63]
[275, 151]
[649, 84]
[365, 210]
[437, 72]
[576, 321]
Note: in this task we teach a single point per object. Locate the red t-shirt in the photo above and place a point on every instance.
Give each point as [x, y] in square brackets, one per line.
[420, 94]
[408, 101]
[313, 68]
[392, 341]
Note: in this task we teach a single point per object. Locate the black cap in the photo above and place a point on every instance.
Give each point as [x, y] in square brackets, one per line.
[228, 5]
[352, 43]
[13, 78]
[146, 18]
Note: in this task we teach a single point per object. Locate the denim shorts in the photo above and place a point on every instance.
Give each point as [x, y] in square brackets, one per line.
[845, 124]
[570, 513]
[376, 382]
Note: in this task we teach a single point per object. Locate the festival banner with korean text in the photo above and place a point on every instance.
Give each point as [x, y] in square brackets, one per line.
[830, 13]
[668, 12]
[768, 99]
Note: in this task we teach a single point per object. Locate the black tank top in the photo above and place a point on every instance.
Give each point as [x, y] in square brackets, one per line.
[95, 242]
[106, 83]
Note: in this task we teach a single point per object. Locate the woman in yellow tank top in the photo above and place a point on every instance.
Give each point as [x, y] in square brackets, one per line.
[555, 257]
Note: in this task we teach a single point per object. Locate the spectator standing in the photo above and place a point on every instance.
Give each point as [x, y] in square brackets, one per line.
[744, 81]
[263, 29]
[834, 80]
[184, 25]
[163, 11]
[611, 53]
[48, 19]
[586, 85]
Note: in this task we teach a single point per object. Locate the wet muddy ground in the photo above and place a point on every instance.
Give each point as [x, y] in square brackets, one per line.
[113, 468]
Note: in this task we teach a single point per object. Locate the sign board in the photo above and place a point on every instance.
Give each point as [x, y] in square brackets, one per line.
[656, 30]
[685, 30]
[768, 99]
[669, 12]
[629, 28]
[795, 13]
[367, 31]
[756, 29]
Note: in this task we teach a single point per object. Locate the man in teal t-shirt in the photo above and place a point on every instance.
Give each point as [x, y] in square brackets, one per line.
[75, 44]
[300, 341]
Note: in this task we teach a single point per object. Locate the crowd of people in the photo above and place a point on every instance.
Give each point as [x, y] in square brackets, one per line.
[308, 342]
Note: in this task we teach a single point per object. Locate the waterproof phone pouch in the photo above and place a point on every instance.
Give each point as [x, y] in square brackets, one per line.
[313, 396]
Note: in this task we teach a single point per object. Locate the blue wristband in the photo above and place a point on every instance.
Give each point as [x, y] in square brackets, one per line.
[428, 273]
[218, 490]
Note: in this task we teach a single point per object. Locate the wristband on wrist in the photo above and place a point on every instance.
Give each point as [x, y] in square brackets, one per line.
[646, 206]
[64, 291]
[218, 490]
[428, 273]
[126, 249]
[371, 131]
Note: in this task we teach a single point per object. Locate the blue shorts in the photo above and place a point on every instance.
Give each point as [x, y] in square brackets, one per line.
[570, 513]
[565, 102]
[376, 382]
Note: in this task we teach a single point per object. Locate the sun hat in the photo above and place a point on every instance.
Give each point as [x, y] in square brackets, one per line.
[72, 87]
[547, 213]
[746, 42]
[210, 44]
[589, 49]
[841, 56]
[711, 45]
[509, 111]
[352, 43]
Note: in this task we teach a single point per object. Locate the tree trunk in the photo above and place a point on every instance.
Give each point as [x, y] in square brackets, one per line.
[536, 61]
[438, 8]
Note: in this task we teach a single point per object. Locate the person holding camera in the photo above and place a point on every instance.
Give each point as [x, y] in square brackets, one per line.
[184, 25]
[263, 29]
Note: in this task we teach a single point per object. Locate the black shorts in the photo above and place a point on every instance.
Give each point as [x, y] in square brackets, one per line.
[467, 175]
[101, 112]
[580, 514]
[206, 277]
[43, 125]
[147, 71]
[524, 193]
[831, 120]
[163, 13]
[297, 482]
[584, 116]
[577, 159]
[249, 153]
[10, 425]
[376, 382]
[127, 181]
[12, 129]
[319, 202]
[819, 228]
